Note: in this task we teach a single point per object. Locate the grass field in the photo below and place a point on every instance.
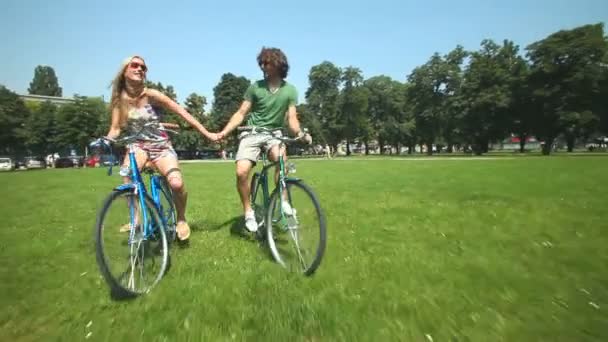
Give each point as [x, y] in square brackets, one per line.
[418, 250]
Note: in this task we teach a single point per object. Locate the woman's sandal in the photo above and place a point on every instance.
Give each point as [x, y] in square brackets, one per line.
[183, 230]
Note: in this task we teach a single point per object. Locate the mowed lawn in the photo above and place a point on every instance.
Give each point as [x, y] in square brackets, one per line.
[418, 250]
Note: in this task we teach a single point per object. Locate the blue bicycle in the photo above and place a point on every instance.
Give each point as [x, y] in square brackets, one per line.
[139, 222]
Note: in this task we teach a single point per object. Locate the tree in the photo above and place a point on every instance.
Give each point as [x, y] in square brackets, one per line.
[309, 120]
[227, 98]
[195, 104]
[380, 106]
[39, 129]
[566, 76]
[490, 80]
[13, 114]
[190, 139]
[45, 82]
[322, 98]
[431, 85]
[389, 112]
[80, 122]
[353, 105]
[522, 106]
[602, 96]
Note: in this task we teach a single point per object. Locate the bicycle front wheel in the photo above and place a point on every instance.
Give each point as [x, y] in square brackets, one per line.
[295, 227]
[131, 245]
[257, 203]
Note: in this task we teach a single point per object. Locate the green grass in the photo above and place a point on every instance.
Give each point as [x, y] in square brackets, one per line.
[453, 250]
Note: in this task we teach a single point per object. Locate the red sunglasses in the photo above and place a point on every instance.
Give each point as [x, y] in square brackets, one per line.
[135, 65]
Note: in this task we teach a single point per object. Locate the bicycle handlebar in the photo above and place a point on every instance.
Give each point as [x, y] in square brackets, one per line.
[107, 143]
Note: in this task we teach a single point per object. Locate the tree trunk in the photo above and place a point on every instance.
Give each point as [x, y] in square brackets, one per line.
[347, 147]
[366, 148]
[570, 142]
[478, 148]
[429, 149]
[547, 146]
[522, 144]
[450, 148]
[410, 148]
[381, 143]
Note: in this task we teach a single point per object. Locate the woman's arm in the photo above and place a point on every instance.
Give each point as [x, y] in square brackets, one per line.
[171, 105]
[114, 131]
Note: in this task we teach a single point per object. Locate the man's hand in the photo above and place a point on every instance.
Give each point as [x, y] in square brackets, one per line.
[305, 137]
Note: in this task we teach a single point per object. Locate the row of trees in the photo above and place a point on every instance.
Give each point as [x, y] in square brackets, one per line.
[559, 89]
[42, 128]
[471, 97]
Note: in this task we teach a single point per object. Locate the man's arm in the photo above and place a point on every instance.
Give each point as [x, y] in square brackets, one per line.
[292, 120]
[236, 119]
[294, 124]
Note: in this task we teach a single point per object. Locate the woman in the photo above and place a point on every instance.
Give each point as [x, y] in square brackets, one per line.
[132, 108]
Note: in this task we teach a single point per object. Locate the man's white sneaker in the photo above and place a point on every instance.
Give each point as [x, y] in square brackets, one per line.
[287, 209]
[250, 223]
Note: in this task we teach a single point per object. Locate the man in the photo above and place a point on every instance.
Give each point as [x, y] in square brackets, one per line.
[268, 101]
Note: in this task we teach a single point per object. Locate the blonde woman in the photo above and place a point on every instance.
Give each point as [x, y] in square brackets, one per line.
[132, 108]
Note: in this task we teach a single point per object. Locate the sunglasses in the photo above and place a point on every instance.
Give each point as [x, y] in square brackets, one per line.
[135, 65]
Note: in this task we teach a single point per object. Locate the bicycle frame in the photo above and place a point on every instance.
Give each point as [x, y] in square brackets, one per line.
[139, 186]
[280, 184]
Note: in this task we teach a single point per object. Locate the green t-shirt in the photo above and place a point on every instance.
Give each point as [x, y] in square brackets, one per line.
[268, 109]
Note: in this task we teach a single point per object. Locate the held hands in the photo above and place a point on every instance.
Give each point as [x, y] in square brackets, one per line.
[215, 137]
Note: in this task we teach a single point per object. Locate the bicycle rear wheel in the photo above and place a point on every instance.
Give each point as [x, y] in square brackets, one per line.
[130, 262]
[296, 239]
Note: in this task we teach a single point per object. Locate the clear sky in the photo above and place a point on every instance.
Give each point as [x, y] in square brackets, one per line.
[190, 44]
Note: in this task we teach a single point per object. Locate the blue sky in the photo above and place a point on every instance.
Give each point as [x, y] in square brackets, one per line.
[190, 44]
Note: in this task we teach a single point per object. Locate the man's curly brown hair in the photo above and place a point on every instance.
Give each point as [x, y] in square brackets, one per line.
[275, 57]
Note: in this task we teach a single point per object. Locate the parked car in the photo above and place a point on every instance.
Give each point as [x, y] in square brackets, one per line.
[64, 162]
[92, 161]
[34, 163]
[107, 159]
[78, 161]
[19, 163]
[6, 164]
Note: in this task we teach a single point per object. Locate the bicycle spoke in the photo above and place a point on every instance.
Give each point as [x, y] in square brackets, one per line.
[294, 236]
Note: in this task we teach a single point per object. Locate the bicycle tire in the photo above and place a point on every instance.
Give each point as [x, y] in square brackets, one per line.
[115, 285]
[272, 232]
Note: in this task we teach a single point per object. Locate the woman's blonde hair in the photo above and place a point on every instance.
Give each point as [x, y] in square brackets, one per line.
[118, 86]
